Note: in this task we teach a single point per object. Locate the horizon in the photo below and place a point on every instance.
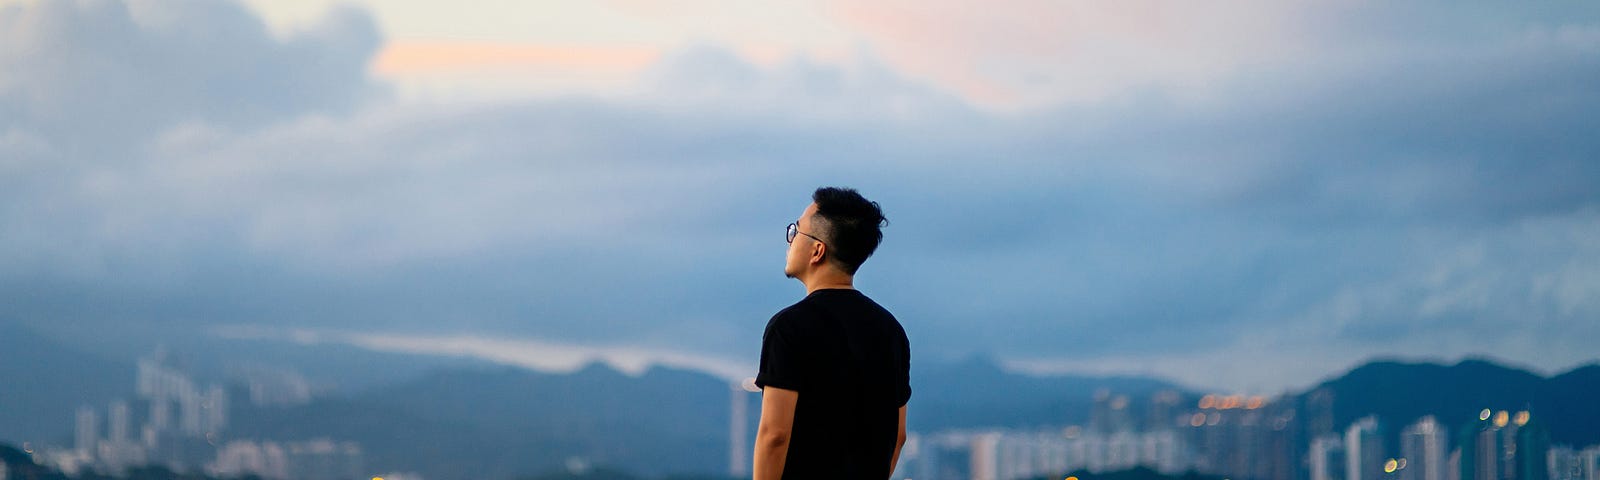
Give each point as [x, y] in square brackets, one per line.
[565, 359]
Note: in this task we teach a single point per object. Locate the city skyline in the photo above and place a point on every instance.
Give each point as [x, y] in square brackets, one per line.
[1248, 437]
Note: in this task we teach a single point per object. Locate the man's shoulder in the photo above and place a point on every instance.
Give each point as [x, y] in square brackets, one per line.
[792, 315]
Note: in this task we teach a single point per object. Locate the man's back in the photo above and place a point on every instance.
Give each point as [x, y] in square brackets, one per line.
[850, 361]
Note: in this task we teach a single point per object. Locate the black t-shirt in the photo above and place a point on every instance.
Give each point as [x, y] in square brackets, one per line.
[851, 362]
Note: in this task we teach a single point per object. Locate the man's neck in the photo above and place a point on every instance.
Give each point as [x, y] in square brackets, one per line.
[829, 280]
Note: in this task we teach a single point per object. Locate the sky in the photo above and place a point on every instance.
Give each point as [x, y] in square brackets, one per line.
[1237, 195]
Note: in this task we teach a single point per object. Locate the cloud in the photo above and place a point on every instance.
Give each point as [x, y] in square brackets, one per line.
[105, 75]
[527, 353]
[1397, 193]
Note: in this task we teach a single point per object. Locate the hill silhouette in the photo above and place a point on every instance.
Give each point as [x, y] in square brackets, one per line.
[45, 382]
[1401, 392]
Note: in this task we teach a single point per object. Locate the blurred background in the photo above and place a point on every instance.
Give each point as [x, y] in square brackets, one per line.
[505, 239]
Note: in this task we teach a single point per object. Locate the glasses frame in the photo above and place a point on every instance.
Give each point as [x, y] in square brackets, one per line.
[793, 229]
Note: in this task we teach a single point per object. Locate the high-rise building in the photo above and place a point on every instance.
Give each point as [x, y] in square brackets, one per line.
[214, 410]
[160, 414]
[1111, 413]
[739, 447]
[1565, 464]
[986, 456]
[176, 401]
[1162, 450]
[118, 420]
[1530, 447]
[1590, 459]
[244, 457]
[1502, 445]
[942, 456]
[1319, 412]
[1243, 437]
[320, 459]
[324, 459]
[1365, 454]
[87, 430]
[1163, 412]
[1480, 452]
[1453, 468]
[1326, 457]
[1422, 448]
[191, 412]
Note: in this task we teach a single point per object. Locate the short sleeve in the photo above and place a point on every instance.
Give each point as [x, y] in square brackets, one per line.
[905, 371]
[781, 365]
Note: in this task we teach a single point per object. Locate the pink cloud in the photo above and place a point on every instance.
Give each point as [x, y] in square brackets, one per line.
[1038, 51]
[418, 56]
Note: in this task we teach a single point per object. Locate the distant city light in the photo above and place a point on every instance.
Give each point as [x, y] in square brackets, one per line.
[1522, 418]
[1484, 415]
[1390, 466]
[1501, 418]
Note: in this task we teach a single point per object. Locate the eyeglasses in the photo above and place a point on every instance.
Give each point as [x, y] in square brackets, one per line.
[794, 229]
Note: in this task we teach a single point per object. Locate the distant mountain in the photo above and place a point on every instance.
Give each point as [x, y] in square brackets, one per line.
[43, 382]
[503, 422]
[977, 392]
[1399, 393]
[330, 366]
[1572, 400]
[20, 465]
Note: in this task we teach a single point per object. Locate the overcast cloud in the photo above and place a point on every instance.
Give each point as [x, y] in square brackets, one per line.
[1413, 180]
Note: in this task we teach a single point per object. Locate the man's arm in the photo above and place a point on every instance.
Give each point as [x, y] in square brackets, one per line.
[899, 441]
[772, 436]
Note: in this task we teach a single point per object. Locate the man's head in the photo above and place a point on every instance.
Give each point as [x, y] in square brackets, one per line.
[839, 230]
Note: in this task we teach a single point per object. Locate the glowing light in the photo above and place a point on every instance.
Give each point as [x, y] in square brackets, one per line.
[377, 478]
[1214, 419]
[1483, 415]
[1197, 419]
[1208, 401]
[1072, 478]
[1522, 418]
[1255, 402]
[1390, 466]
[1402, 464]
[1501, 418]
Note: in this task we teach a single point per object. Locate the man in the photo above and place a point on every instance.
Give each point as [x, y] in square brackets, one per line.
[835, 367]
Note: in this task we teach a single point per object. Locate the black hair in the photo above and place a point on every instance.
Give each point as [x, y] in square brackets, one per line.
[851, 224]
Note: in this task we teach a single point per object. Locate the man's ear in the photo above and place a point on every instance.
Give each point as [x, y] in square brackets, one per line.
[819, 254]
